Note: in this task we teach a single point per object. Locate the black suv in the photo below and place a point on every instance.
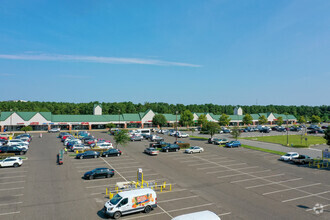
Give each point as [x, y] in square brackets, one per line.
[111, 152]
[99, 172]
[171, 147]
[13, 149]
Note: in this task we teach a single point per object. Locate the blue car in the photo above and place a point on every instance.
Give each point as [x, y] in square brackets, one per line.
[233, 144]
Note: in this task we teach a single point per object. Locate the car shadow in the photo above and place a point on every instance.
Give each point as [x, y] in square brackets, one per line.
[101, 214]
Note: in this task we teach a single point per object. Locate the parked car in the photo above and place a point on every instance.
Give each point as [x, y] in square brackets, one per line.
[194, 149]
[61, 134]
[315, 131]
[112, 152]
[136, 138]
[159, 144]
[88, 154]
[226, 130]
[11, 162]
[156, 138]
[182, 135]
[220, 141]
[233, 144]
[104, 145]
[151, 151]
[12, 149]
[54, 130]
[171, 147]
[302, 159]
[16, 141]
[264, 130]
[325, 127]
[99, 172]
[281, 129]
[289, 156]
[210, 140]
[313, 127]
[79, 147]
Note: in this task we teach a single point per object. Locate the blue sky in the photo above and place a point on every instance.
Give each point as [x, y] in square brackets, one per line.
[187, 51]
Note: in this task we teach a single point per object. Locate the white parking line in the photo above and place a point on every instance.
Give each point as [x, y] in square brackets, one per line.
[21, 171]
[188, 161]
[12, 188]
[143, 216]
[307, 210]
[115, 164]
[238, 174]
[284, 190]
[204, 168]
[171, 200]
[200, 164]
[13, 203]
[227, 213]
[8, 177]
[89, 166]
[229, 165]
[221, 171]
[191, 207]
[13, 182]
[267, 184]
[107, 185]
[255, 178]
[131, 167]
[135, 171]
[314, 194]
[10, 213]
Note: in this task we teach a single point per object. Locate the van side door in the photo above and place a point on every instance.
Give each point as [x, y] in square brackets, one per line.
[124, 206]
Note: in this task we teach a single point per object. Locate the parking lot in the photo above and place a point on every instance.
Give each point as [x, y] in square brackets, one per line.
[235, 183]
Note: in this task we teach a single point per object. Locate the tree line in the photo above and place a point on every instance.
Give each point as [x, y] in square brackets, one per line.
[164, 108]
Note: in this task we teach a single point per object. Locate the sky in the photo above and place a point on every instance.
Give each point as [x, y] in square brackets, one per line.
[188, 51]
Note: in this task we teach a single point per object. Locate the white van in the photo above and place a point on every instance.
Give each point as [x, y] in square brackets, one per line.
[143, 131]
[203, 215]
[128, 202]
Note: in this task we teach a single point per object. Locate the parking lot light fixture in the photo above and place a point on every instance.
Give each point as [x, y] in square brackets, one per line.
[176, 124]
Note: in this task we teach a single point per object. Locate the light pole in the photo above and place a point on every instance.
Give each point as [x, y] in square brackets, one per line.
[11, 120]
[176, 124]
[287, 131]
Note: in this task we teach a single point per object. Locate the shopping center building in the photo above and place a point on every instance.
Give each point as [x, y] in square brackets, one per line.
[43, 121]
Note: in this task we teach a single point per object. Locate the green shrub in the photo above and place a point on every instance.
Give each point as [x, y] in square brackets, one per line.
[184, 145]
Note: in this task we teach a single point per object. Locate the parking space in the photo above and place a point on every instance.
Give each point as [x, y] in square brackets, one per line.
[170, 203]
[12, 185]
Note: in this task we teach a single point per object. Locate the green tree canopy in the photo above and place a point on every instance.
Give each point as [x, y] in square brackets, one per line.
[327, 135]
[279, 121]
[224, 120]
[315, 119]
[110, 125]
[27, 128]
[159, 120]
[121, 138]
[202, 120]
[247, 119]
[235, 132]
[301, 120]
[262, 120]
[186, 118]
[212, 128]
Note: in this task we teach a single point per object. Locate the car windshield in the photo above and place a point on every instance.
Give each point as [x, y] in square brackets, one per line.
[115, 199]
[288, 155]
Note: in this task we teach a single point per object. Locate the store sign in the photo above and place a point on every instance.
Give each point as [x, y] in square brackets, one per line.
[20, 123]
[84, 123]
[45, 123]
[34, 123]
[134, 122]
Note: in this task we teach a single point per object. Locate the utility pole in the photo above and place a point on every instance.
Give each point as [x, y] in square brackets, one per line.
[287, 130]
[176, 134]
[119, 117]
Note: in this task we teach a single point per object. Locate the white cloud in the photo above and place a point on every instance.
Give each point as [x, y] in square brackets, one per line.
[93, 59]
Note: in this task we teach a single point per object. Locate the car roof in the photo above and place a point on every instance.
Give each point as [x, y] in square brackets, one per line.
[136, 192]
[292, 153]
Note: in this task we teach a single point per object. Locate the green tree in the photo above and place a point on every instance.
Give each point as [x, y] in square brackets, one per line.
[110, 125]
[247, 119]
[302, 120]
[121, 138]
[224, 120]
[212, 128]
[186, 118]
[325, 118]
[202, 120]
[159, 120]
[235, 132]
[279, 121]
[327, 136]
[27, 128]
[262, 120]
[315, 119]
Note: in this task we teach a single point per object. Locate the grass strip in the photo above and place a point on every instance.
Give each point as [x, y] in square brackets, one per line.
[201, 138]
[264, 150]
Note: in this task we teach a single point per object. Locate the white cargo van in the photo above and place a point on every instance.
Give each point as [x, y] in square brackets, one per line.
[128, 202]
[143, 131]
[204, 215]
